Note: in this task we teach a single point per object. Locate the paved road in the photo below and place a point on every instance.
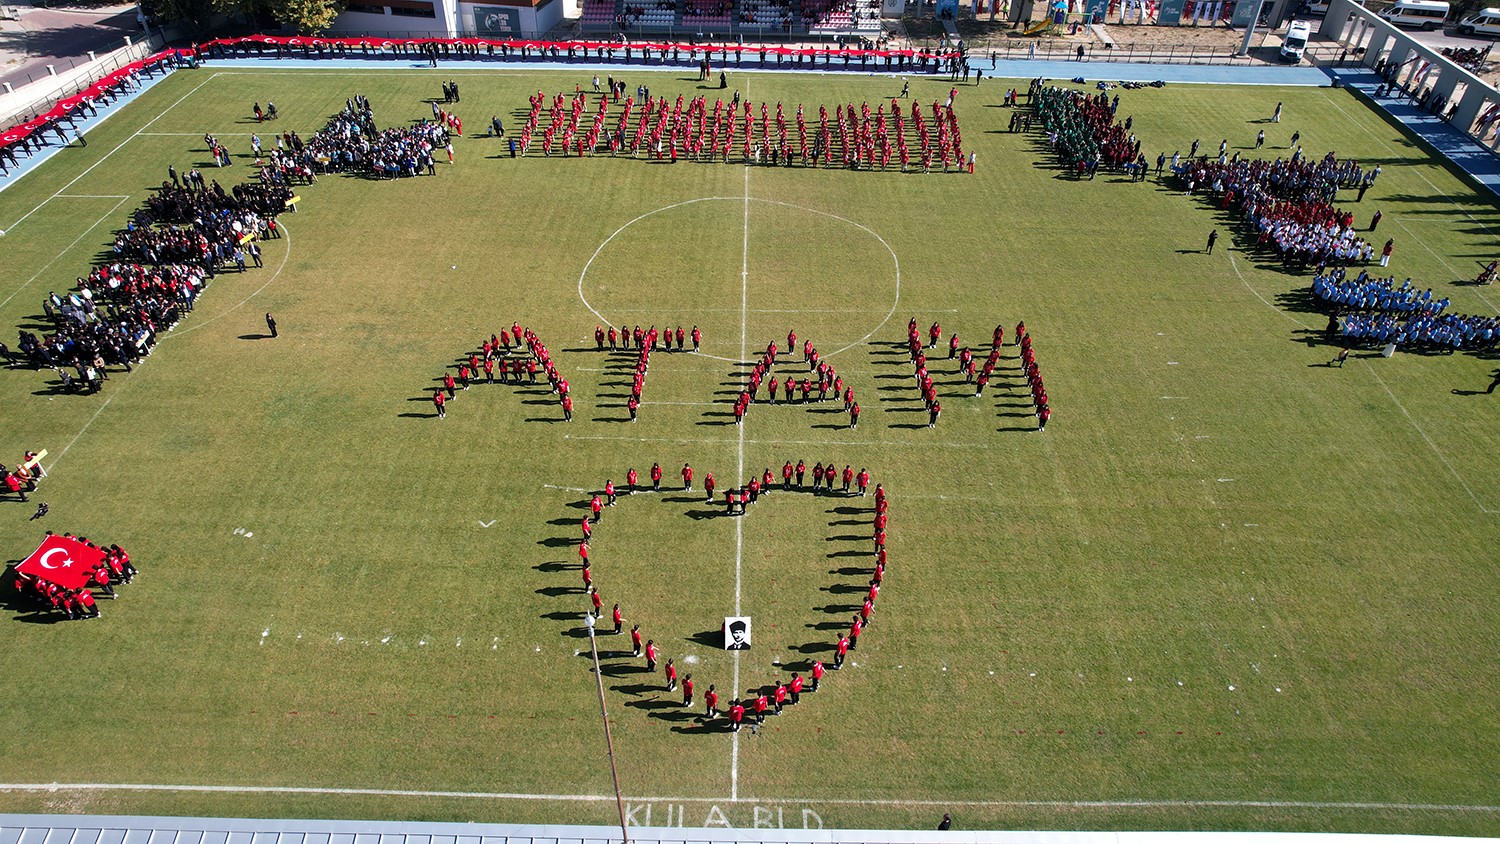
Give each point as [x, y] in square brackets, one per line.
[60, 37]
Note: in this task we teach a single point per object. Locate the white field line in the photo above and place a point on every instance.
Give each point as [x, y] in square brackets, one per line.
[89, 196]
[66, 249]
[64, 452]
[1430, 444]
[1263, 299]
[896, 803]
[285, 255]
[107, 155]
[739, 523]
[1435, 190]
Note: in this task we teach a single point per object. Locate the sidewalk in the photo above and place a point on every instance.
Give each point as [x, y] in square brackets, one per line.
[1467, 154]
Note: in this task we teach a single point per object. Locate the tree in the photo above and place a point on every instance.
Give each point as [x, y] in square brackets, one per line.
[307, 17]
[192, 14]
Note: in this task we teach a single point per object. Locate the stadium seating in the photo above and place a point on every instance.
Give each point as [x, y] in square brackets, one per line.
[651, 14]
[705, 15]
[767, 15]
[841, 17]
[599, 14]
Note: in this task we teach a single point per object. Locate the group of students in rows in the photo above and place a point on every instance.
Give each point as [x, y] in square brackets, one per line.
[1333, 288]
[74, 604]
[917, 352]
[821, 378]
[1082, 130]
[1288, 204]
[350, 142]
[856, 138]
[1423, 331]
[757, 703]
[516, 355]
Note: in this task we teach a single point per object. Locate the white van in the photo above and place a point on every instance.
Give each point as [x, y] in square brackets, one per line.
[1486, 22]
[1425, 15]
[1295, 43]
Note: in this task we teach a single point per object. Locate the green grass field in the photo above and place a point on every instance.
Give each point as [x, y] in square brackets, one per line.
[1228, 584]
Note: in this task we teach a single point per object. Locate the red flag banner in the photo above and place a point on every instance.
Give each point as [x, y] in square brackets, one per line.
[64, 561]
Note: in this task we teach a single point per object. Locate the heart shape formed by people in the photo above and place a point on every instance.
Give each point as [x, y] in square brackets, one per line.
[665, 666]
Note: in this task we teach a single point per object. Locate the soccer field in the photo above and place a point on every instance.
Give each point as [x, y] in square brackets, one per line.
[1228, 587]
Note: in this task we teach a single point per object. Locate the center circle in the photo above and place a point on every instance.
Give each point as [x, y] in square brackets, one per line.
[725, 264]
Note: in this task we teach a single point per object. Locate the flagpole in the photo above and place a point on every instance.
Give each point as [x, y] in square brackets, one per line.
[588, 620]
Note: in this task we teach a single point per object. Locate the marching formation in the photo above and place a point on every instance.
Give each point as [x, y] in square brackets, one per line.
[1082, 129]
[854, 137]
[828, 381]
[515, 356]
[771, 699]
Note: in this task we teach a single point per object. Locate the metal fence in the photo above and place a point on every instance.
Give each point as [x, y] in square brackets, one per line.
[41, 95]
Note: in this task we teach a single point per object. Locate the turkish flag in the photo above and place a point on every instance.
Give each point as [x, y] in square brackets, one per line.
[64, 561]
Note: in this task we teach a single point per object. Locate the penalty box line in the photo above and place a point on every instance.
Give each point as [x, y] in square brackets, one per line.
[835, 801]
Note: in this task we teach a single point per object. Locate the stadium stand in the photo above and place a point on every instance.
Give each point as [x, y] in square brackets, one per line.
[708, 14]
[651, 14]
[767, 15]
[841, 17]
[599, 14]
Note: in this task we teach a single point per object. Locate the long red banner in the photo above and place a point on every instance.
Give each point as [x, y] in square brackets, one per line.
[65, 108]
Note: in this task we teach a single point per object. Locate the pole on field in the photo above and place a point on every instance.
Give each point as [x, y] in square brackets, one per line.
[588, 619]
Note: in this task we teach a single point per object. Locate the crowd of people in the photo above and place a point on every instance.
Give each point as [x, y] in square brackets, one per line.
[114, 568]
[644, 342]
[23, 479]
[1082, 130]
[917, 351]
[1288, 203]
[514, 356]
[351, 143]
[1364, 292]
[1422, 331]
[757, 703]
[856, 137]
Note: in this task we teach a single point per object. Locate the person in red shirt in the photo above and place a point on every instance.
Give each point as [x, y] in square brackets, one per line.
[489, 370]
[651, 654]
[806, 390]
[801, 472]
[619, 618]
[729, 502]
[438, 400]
[609, 493]
[101, 580]
[687, 477]
[779, 696]
[754, 489]
[866, 611]
[86, 604]
[854, 630]
[848, 478]
[697, 338]
[761, 705]
[772, 392]
[999, 338]
[794, 689]
[597, 508]
[934, 413]
[791, 342]
[596, 601]
[671, 671]
[567, 407]
[934, 334]
[953, 346]
[709, 484]
[655, 477]
[448, 383]
[710, 703]
[766, 480]
[681, 334]
[817, 673]
[588, 529]
[863, 480]
[630, 478]
[612, 338]
[687, 682]
[586, 573]
[599, 337]
[817, 476]
[634, 406]
[1042, 415]
[839, 652]
[736, 716]
[786, 476]
[635, 640]
[787, 387]
[1020, 331]
[463, 375]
